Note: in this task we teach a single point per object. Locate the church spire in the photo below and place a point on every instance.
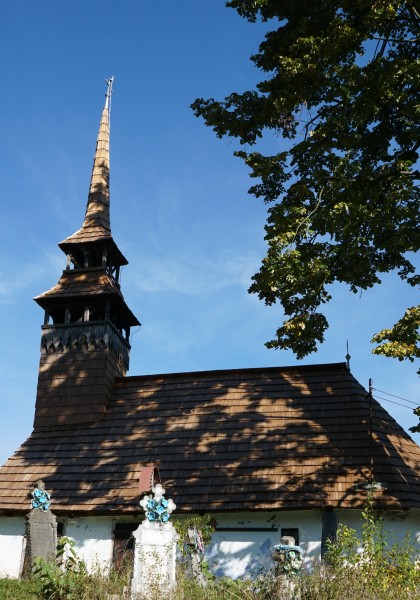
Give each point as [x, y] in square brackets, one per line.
[85, 341]
[97, 221]
[97, 225]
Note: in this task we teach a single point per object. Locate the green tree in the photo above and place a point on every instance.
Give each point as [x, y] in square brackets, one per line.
[341, 87]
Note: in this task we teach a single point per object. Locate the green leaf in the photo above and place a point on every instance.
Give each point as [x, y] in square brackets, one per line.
[339, 84]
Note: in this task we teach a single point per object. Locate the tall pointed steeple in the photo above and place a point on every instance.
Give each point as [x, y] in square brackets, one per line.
[97, 225]
[97, 221]
[85, 336]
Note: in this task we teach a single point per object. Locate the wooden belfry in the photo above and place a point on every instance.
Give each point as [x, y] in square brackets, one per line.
[85, 336]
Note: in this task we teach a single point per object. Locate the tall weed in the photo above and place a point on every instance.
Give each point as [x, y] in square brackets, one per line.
[369, 568]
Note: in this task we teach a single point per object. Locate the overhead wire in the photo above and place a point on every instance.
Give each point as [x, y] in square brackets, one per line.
[394, 396]
[393, 402]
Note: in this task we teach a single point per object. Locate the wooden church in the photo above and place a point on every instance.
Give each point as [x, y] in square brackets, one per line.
[267, 452]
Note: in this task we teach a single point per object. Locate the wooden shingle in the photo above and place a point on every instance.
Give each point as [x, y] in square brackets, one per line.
[275, 438]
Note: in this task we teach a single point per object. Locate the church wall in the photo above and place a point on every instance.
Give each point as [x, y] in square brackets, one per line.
[93, 540]
[92, 537]
[242, 543]
[240, 546]
[247, 546]
[12, 539]
[395, 525]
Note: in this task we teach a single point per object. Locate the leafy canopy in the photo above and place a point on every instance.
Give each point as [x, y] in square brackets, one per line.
[341, 87]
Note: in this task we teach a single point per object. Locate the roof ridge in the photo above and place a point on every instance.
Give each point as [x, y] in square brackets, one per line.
[321, 366]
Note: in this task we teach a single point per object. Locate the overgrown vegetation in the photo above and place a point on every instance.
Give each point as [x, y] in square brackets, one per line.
[67, 578]
[202, 524]
[373, 567]
[383, 566]
[13, 589]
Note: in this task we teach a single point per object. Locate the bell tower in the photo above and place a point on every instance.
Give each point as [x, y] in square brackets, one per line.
[85, 336]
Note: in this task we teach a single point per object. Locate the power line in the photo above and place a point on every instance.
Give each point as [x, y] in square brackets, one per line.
[393, 402]
[394, 396]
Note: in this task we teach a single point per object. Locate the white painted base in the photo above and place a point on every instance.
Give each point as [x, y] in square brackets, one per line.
[154, 559]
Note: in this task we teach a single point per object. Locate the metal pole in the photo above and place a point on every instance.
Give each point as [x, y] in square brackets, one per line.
[371, 430]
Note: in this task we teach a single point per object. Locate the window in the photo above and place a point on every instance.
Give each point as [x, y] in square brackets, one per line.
[123, 543]
[292, 532]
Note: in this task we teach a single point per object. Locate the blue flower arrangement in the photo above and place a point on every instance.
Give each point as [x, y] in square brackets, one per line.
[41, 499]
[157, 509]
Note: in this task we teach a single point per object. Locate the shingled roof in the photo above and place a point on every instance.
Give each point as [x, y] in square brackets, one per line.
[96, 226]
[274, 438]
[86, 282]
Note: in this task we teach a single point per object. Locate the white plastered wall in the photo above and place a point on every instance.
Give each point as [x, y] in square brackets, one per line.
[12, 539]
[92, 537]
[241, 547]
[93, 540]
[396, 526]
[243, 543]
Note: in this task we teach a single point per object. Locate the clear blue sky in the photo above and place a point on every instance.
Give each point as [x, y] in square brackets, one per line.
[179, 204]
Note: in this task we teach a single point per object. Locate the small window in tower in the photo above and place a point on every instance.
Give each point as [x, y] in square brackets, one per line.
[291, 532]
[77, 314]
[97, 313]
[58, 315]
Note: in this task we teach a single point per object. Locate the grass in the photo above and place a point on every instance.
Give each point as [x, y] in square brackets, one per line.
[322, 584]
[15, 589]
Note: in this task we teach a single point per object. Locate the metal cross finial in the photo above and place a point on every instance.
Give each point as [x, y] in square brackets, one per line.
[348, 357]
[108, 94]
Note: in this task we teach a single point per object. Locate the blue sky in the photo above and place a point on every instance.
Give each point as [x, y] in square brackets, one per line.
[179, 204]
